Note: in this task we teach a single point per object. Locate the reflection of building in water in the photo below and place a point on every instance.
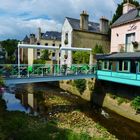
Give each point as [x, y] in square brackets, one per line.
[32, 101]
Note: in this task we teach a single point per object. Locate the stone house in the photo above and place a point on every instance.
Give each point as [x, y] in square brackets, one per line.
[49, 38]
[83, 33]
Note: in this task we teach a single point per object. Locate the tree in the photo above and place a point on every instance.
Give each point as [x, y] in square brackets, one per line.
[45, 55]
[10, 46]
[81, 57]
[119, 9]
[97, 49]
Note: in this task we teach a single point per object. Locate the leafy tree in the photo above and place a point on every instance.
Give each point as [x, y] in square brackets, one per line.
[10, 46]
[45, 55]
[119, 9]
[39, 61]
[97, 49]
[81, 57]
[1, 81]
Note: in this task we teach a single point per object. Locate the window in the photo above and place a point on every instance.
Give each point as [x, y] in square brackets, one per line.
[46, 44]
[66, 39]
[129, 39]
[107, 65]
[139, 67]
[124, 66]
[38, 53]
[59, 45]
[53, 44]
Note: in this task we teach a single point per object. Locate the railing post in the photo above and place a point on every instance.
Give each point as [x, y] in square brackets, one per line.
[18, 61]
[28, 70]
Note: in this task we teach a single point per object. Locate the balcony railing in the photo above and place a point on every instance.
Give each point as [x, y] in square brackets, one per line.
[130, 47]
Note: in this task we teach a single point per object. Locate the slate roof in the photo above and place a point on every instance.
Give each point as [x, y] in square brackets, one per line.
[26, 39]
[128, 17]
[120, 56]
[92, 26]
[51, 35]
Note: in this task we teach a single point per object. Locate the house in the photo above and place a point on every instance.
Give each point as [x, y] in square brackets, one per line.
[125, 31]
[83, 33]
[122, 65]
[49, 38]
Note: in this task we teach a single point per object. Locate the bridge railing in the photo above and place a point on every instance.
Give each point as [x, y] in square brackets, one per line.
[39, 70]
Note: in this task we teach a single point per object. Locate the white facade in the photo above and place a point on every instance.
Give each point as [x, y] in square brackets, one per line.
[66, 35]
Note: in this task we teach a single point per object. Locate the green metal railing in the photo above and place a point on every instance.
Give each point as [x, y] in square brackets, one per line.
[39, 70]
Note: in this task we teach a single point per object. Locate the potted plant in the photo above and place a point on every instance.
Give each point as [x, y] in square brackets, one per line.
[135, 44]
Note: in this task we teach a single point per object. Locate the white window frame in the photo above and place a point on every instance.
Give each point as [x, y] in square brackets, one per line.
[103, 65]
[128, 70]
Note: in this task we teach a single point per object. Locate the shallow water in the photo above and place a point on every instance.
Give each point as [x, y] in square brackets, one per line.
[25, 98]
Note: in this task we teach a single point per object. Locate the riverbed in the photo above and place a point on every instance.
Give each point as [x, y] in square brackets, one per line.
[70, 111]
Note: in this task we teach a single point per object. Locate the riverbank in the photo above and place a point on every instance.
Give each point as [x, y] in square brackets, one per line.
[65, 118]
[104, 99]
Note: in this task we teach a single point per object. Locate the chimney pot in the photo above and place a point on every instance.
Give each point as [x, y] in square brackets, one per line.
[84, 20]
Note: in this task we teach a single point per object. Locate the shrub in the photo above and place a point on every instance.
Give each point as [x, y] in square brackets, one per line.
[80, 85]
[39, 61]
[1, 81]
[136, 103]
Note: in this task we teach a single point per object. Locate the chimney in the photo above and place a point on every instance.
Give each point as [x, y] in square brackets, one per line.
[39, 33]
[127, 7]
[104, 25]
[84, 21]
[32, 38]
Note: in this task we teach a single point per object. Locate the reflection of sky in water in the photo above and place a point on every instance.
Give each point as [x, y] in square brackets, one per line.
[13, 104]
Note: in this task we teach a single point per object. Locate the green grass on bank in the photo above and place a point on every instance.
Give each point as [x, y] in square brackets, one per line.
[19, 126]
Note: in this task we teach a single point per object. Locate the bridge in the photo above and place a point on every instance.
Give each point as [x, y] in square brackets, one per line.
[15, 74]
[107, 68]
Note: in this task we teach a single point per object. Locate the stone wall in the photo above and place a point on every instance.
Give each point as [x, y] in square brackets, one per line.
[89, 40]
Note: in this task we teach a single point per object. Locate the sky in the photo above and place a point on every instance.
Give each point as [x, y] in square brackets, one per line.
[21, 17]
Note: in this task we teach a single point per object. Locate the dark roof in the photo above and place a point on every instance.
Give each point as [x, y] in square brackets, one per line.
[120, 56]
[125, 18]
[26, 39]
[52, 35]
[92, 26]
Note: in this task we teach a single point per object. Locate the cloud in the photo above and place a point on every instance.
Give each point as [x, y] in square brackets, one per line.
[21, 17]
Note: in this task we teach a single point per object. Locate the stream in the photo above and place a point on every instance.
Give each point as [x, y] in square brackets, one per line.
[42, 99]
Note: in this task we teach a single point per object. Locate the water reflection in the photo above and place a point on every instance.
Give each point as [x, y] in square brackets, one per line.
[14, 104]
[28, 102]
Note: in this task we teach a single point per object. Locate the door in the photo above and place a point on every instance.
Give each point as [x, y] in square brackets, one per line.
[129, 39]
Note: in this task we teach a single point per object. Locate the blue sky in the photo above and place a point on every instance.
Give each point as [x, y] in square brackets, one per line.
[21, 17]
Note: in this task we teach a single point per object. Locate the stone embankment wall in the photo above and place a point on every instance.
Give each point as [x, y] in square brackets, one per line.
[102, 94]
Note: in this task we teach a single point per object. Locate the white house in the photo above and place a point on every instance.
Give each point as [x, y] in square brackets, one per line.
[82, 33]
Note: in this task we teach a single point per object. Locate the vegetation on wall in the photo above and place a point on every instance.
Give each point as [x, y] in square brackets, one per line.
[80, 85]
[136, 103]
